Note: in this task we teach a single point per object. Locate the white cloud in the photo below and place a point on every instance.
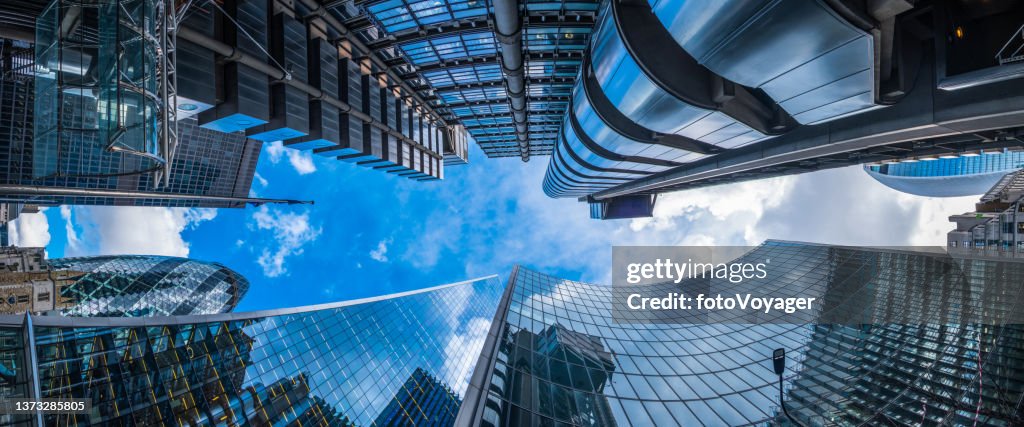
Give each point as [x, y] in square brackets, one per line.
[461, 350]
[119, 230]
[30, 230]
[261, 180]
[302, 161]
[380, 254]
[500, 217]
[73, 244]
[291, 231]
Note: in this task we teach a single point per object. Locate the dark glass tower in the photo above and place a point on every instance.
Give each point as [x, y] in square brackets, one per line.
[422, 400]
[548, 351]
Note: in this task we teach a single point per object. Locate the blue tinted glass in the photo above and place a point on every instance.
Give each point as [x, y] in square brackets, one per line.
[398, 360]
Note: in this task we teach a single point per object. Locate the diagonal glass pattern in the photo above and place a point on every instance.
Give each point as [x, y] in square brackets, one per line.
[336, 364]
[561, 359]
[135, 286]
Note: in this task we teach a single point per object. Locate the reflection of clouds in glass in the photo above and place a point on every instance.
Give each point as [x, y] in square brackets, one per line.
[462, 350]
[357, 358]
[721, 374]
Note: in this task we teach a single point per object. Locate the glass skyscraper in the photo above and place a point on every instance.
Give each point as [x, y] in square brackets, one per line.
[115, 286]
[402, 359]
[206, 163]
[948, 177]
[559, 358]
[138, 285]
[548, 351]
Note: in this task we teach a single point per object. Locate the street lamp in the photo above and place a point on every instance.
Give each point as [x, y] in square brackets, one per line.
[779, 360]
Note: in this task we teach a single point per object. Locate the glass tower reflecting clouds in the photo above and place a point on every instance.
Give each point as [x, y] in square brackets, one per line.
[548, 351]
[559, 358]
[140, 285]
[115, 286]
[333, 364]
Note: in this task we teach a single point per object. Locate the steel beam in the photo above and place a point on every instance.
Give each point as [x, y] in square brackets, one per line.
[508, 33]
[37, 190]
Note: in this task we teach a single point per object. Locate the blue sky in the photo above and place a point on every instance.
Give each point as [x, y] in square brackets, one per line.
[373, 233]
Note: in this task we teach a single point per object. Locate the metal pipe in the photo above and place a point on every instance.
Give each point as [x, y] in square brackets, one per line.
[508, 32]
[36, 190]
[231, 54]
[316, 9]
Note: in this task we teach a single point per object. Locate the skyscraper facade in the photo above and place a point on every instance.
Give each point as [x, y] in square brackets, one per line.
[950, 176]
[674, 95]
[558, 356]
[334, 364]
[206, 163]
[115, 286]
[422, 400]
[544, 350]
[996, 226]
[140, 285]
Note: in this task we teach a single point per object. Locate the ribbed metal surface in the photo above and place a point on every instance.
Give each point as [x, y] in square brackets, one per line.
[289, 108]
[323, 117]
[805, 56]
[195, 64]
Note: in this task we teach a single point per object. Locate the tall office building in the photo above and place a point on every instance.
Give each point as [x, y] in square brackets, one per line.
[675, 95]
[629, 99]
[556, 354]
[997, 223]
[544, 350]
[346, 363]
[422, 400]
[207, 163]
[947, 176]
[118, 286]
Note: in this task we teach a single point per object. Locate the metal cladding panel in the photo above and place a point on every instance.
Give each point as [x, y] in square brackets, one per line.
[407, 156]
[431, 137]
[415, 126]
[350, 129]
[806, 57]
[398, 109]
[195, 73]
[251, 17]
[354, 98]
[246, 91]
[195, 64]
[394, 147]
[289, 116]
[372, 143]
[408, 112]
[324, 126]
